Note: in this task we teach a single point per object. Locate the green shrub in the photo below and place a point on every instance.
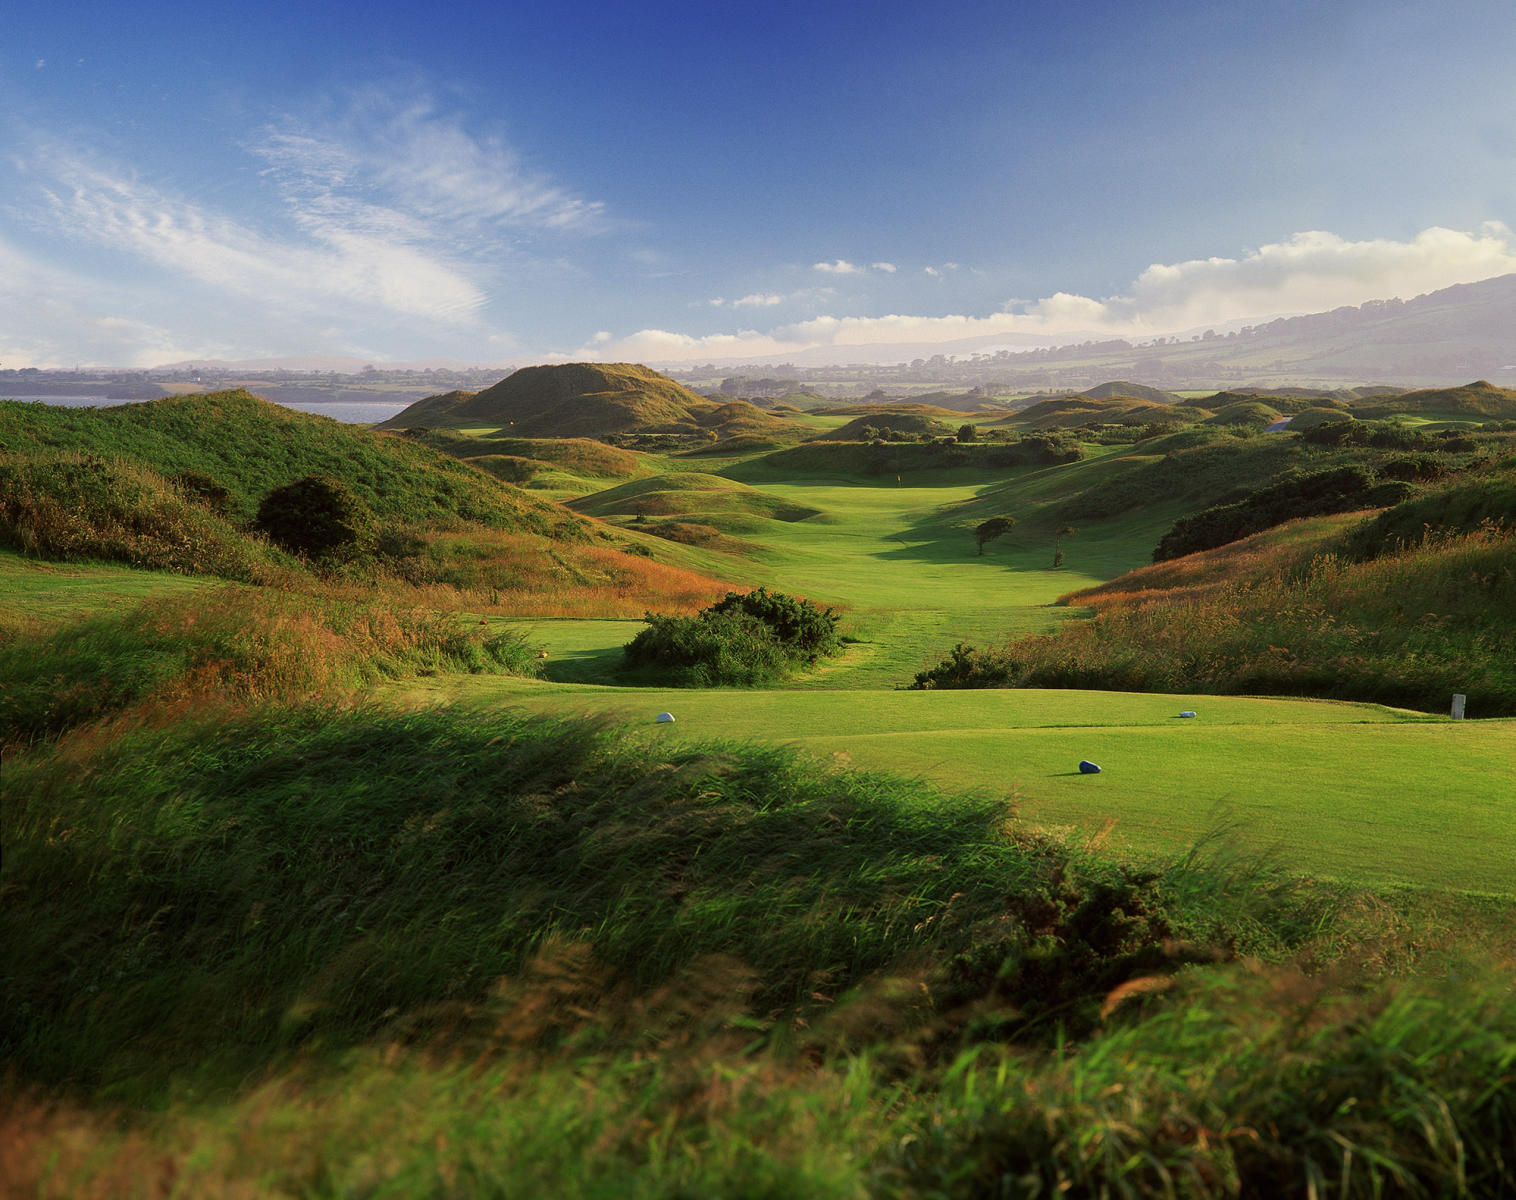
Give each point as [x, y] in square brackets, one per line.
[798, 625]
[966, 667]
[740, 641]
[318, 517]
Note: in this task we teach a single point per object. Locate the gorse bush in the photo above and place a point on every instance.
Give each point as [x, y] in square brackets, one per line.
[740, 641]
[805, 631]
[1341, 489]
[318, 518]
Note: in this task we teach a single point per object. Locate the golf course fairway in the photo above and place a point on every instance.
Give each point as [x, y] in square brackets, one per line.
[1355, 792]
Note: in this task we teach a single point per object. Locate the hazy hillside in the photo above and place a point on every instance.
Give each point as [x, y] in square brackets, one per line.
[1138, 391]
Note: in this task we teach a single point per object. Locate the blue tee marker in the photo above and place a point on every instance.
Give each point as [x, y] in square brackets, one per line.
[1088, 768]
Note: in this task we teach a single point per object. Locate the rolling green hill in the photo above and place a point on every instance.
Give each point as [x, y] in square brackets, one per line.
[1137, 391]
[590, 400]
[249, 446]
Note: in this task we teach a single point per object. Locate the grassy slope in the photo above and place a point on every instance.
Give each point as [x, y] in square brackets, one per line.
[250, 446]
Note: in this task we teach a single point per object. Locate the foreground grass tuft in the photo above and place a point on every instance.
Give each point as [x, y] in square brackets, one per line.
[207, 899]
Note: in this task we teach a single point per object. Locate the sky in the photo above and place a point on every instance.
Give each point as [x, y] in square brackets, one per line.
[665, 182]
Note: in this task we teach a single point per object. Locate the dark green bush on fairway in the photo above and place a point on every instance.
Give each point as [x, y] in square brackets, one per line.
[317, 517]
[740, 641]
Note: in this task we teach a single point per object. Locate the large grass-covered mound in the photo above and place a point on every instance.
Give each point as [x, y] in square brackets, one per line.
[248, 447]
[588, 400]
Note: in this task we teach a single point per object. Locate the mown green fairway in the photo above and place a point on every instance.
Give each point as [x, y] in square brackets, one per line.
[1348, 791]
[50, 591]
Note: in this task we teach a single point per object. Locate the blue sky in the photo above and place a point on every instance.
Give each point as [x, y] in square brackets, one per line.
[503, 182]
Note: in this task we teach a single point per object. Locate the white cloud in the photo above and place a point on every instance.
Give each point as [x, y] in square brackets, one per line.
[758, 300]
[839, 267]
[1308, 272]
[360, 264]
[887, 267]
[932, 271]
[771, 299]
[425, 163]
[57, 318]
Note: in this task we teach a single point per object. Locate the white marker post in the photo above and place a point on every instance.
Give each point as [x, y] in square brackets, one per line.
[1458, 706]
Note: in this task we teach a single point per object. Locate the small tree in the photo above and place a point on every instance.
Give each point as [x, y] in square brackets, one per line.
[317, 517]
[988, 531]
[967, 433]
[1062, 532]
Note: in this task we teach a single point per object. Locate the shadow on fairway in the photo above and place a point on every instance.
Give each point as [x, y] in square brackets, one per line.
[586, 666]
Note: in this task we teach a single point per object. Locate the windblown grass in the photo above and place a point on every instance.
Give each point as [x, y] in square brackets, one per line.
[1408, 629]
[194, 902]
[224, 644]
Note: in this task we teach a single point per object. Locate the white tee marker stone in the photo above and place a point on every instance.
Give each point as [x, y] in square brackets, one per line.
[1458, 701]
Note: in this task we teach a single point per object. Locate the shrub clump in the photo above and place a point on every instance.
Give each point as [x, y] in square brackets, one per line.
[742, 640]
[317, 517]
[1296, 495]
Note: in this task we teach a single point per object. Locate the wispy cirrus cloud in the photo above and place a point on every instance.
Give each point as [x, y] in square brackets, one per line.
[389, 215]
[429, 167]
[1308, 272]
[364, 264]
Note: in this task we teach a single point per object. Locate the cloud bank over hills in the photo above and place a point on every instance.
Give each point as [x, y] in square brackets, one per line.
[1309, 272]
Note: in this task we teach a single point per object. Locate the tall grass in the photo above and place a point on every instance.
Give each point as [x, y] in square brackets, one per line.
[1239, 1085]
[228, 644]
[1408, 628]
[200, 900]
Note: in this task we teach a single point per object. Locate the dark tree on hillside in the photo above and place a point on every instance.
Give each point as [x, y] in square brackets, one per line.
[317, 517]
[967, 433]
[988, 531]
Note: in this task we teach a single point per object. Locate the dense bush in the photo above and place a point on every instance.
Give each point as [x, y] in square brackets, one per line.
[1297, 495]
[318, 517]
[742, 640]
[967, 668]
[1459, 507]
[798, 625]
